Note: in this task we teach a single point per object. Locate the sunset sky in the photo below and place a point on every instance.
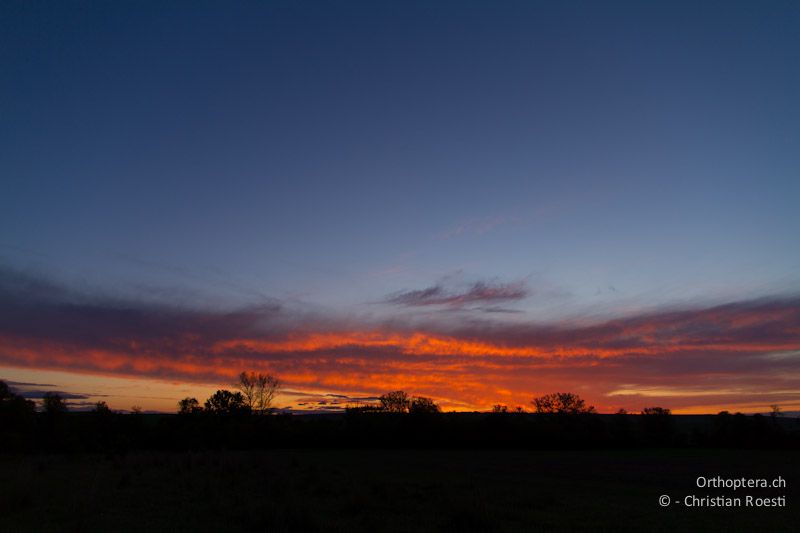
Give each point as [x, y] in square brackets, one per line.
[479, 202]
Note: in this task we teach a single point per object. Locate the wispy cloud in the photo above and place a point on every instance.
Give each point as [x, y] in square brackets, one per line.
[39, 394]
[480, 292]
[18, 384]
[309, 402]
[37, 391]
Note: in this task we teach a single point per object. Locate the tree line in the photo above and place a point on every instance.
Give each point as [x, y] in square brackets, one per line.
[255, 394]
[247, 418]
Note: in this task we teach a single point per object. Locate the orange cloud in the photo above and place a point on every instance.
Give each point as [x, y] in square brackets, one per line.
[743, 351]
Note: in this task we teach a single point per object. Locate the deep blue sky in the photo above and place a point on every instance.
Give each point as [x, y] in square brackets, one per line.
[606, 155]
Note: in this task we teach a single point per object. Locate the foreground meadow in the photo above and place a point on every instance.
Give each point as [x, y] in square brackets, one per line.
[388, 490]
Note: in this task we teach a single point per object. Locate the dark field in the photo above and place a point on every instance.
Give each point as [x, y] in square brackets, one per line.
[388, 490]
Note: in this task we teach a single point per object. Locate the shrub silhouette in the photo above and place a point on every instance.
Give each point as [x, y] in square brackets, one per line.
[656, 411]
[360, 408]
[561, 403]
[657, 425]
[101, 408]
[421, 406]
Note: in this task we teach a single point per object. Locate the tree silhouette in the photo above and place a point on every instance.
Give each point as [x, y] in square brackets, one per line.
[562, 403]
[258, 390]
[53, 404]
[13, 406]
[395, 402]
[188, 406]
[421, 406]
[226, 402]
[5, 392]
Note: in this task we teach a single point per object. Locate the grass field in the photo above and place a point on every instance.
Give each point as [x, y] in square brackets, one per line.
[403, 490]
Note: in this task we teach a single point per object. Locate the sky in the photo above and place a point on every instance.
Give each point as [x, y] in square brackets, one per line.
[479, 202]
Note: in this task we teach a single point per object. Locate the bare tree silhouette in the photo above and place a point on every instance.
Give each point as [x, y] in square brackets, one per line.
[258, 390]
